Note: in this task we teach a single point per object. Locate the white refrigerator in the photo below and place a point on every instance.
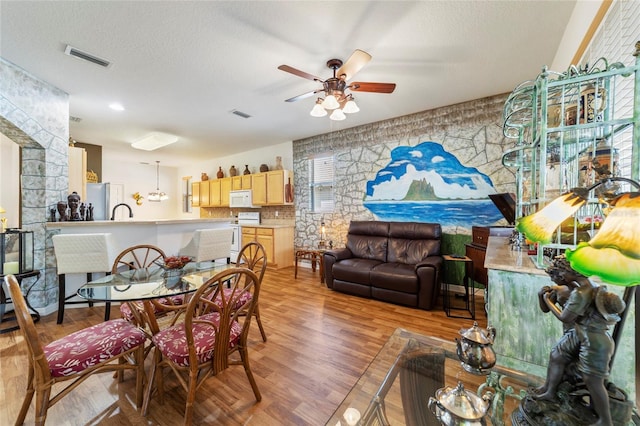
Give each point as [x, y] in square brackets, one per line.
[98, 196]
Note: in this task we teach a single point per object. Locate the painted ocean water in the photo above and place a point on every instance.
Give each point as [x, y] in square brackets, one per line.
[465, 213]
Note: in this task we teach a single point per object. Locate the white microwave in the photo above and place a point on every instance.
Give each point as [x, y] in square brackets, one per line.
[241, 198]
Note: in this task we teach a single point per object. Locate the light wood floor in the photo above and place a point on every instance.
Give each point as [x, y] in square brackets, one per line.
[319, 343]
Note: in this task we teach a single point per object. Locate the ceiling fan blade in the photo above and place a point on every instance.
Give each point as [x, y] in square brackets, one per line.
[303, 96]
[372, 87]
[357, 60]
[287, 68]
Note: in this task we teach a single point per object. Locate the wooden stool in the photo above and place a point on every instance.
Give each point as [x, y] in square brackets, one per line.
[312, 255]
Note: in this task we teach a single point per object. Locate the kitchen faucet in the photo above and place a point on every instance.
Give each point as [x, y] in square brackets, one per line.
[113, 212]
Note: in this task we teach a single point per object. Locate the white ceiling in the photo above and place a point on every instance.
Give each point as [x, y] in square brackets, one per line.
[181, 66]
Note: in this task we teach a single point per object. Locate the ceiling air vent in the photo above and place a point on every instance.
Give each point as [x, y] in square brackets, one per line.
[72, 51]
[240, 113]
[75, 119]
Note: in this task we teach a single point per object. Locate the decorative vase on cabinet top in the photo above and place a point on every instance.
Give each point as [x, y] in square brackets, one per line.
[278, 163]
[220, 173]
[264, 168]
[246, 170]
[233, 171]
[204, 176]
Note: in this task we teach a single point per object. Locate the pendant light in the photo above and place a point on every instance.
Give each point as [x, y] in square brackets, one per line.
[158, 195]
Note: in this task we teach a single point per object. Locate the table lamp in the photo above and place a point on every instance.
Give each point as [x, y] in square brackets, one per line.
[323, 235]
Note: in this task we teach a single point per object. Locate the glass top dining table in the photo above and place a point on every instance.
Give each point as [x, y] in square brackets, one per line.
[149, 283]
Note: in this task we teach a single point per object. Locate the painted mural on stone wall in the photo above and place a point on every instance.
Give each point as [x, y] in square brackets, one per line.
[424, 183]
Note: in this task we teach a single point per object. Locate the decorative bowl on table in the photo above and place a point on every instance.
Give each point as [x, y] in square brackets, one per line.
[174, 265]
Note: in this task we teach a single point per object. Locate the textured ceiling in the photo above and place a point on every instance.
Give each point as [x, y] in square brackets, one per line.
[181, 67]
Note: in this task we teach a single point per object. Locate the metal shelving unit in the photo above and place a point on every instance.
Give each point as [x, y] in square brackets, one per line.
[571, 130]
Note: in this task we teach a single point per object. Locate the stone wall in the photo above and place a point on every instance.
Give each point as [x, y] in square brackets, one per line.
[35, 115]
[472, 131]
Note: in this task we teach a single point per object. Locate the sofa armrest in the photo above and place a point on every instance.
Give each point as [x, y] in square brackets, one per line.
[430, 277]
[339, 254]
[330, 257]
[431, 261]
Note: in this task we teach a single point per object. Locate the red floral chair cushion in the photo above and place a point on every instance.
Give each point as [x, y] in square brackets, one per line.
[125, 308]
[172, 341]
[228, 293]
[86, 348]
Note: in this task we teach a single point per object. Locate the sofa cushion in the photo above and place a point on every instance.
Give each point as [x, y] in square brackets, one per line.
[368, 240]
[362, 290]
[395, 276]
[355, 270]
[412, 242]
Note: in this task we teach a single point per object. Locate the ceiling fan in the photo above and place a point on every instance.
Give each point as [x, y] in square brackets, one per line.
[335, 87]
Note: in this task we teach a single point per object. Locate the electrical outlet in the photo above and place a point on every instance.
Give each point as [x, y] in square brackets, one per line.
[277, 213]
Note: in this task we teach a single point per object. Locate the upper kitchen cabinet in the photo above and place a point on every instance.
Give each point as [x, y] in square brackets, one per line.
[272, 188]
[195, 194]
[78, 171]
[205, 199]
[225, 188]
[241, 182]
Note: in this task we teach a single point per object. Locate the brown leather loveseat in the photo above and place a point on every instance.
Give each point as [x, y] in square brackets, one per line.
[397, 262]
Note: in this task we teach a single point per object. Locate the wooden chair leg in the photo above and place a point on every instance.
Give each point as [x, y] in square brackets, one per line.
[256, 313]
[244, 356]
[139, 359]
[26, 403]
[62, 294]
[42, 405]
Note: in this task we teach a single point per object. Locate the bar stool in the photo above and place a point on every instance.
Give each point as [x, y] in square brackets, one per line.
[209, 245]
[81, 254]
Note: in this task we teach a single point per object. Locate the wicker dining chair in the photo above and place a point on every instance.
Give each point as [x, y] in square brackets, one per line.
[214, 328]
[140, 257]
[253, 256]
[114, 345]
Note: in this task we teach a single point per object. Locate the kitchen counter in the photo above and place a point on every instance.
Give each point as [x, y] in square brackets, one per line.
[500, 256]
[133, 221]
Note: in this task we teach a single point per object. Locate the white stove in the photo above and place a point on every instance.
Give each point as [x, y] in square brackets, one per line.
[244, 218]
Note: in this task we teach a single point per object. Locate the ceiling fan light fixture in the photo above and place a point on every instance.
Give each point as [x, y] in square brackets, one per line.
[350, 107]
[317, 110]
[337, 115]
[330, 102]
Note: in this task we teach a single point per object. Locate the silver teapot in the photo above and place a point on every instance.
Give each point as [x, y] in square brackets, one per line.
[459, 407]
[475, 349]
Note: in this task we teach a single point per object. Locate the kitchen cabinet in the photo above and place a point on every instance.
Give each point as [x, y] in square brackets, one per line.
[195, 194]
[205, 200]
[214, 193]
[78, 171]
[277, 243]
[571, 132]
[241, 182]
[272, 188]
[259, 189]
[225, 187]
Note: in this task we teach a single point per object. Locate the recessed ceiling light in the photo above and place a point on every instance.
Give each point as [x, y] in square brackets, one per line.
[154, 140]
[116, 106]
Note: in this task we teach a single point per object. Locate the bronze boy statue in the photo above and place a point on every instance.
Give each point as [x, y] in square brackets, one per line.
[586, 311]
